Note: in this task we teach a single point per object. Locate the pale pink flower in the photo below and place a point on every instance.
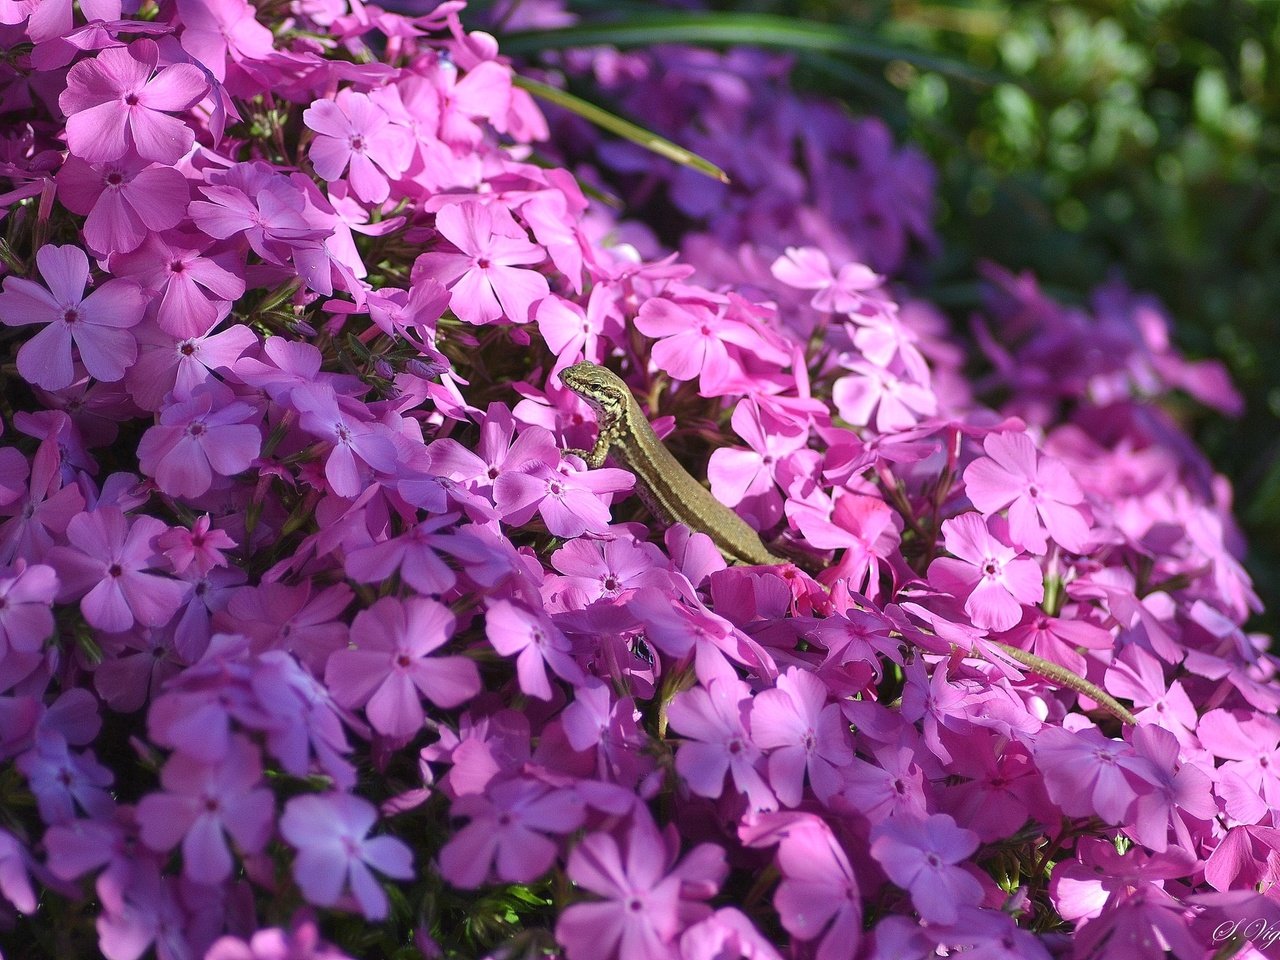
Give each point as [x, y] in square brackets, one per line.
[331, 834]
[116, 100]
[391, 668]
[354, 131]
[535, 642]
[96, 325]
[1039, 492]
[485, 277]
[202, 803]
[801, 733]
[990, 575]
[106, 566]
[124, 199]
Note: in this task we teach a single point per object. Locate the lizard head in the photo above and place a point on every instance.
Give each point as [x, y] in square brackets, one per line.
[603, 389]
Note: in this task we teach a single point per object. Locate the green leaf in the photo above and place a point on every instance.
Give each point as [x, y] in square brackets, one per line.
[735, 29]
[624, 128]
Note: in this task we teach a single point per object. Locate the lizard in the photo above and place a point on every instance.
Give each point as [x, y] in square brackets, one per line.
[672, 494]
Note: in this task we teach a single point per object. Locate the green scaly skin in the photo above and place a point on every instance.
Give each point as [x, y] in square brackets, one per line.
[674, 496]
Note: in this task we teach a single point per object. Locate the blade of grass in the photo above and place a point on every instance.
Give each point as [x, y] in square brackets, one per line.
[623, 128]
[729, 29]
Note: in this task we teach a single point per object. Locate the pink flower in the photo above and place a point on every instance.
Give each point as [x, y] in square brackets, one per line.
[737, 474]
[1039, 492]
[15, 881]
[355, 131]
[645, 902]
[801, 732]
[714, 719]
[331, 834]
[356, 443]
[213, 30]
[897, 400]
[124, 199]
[1086, 774]
[807, 268]
[922, 857]
[96, 324]
[198, 438]
[694, 339]
[818, 895]
[571, 502]
[535, 642]
[199, 548]
[990, 575]
[865, 527]
[508, 827]
[485, 278]
[190, 286]
[26, 595]
[106, 564]
[116, 100]
[302, 942]
[202, 803]
[390, 668]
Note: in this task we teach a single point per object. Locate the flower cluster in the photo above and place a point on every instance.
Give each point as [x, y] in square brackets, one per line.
[304, 614]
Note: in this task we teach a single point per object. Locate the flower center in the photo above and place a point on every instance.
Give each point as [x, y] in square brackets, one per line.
[115, 178]
[115, 570]
[70, 315]
[186, 348]
[196, 429]
[357, 144]
[131, 99]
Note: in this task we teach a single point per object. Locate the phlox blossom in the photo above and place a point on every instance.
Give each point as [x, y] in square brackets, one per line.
[508, 828]
[26, 594]
[331, 834]
[994, 580]
[352, 130]
[535, 642]
[107, 565]
[486, 278]
[1039, 492]
[117, 100]
[801, 733]
[201, 803]
[922, 857]
[124, 199]
[715, 720]
[646, 896]
[390, 666]
[198, 438]
[96, 324]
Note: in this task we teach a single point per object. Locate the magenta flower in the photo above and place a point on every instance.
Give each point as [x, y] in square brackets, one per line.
[116, 101]
[818, 895]
[190, 286]
[694, 339]
[535, 642]
[203, 803]
[26, 595]
[302, 942]
[106, 566]
[485, 278]
[990, 575]
[331, 834]
[357, 444]
[801, 733]
[199, 548]
[215, 30]
[199, 438]
[807, 268]
[354, 131]
[124, 199]
[571, 502]
[645, 902]
[883, 398]
[715, 720]
[508, 828]
[15, 880]
[1039, 492]
[922, 857]
[390, 668]
[97, 324]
